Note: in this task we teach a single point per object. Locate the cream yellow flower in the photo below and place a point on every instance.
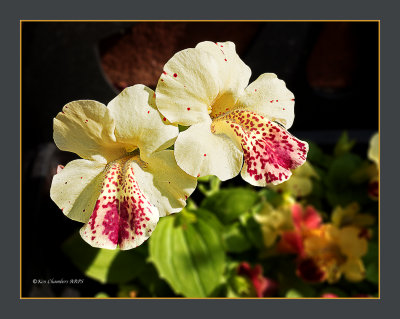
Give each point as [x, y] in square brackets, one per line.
[373, 150]
[206, 88]
[273, 221]
[126, 179]
[373, 155]
[337, 252]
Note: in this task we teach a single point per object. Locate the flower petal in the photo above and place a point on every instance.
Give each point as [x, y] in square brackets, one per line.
[87, 129]
[269, 150]
[165, 184]
[197, 82]
[137, 121]
[353, 269]
[291, 242]
[373, 150]
[123, 214]
[187, 87]
[234, 74]
[268, 96]
[352, 244]
[311, 218]
[199, 152]
[76, 187]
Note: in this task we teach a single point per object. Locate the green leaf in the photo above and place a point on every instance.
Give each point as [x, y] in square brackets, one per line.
[253, 230]
[189, 253]
[341, 188]
[229, 204]
[317, 157]
[371, 260]
[214, 184]
[102, 295]
[235, 239]
[103, 265]
[343, 145]
[271, 196]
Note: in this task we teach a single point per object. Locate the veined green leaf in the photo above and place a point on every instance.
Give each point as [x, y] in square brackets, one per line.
[189, 254]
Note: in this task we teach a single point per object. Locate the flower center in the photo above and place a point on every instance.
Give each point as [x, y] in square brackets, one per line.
[221, 104]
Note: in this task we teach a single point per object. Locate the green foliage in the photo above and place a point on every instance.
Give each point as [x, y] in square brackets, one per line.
[235, 239]
[341, 188]
[343, 145]
[103, 265]
[229, 204]
[189, 253]
[371, 260]
[213, 187]
[197, 252]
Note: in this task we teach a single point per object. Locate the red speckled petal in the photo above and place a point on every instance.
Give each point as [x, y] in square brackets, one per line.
[270, 152]
[123, 216]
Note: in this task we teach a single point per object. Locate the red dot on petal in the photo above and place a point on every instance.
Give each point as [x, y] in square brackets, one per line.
[175, 75]
[188, 108]
[164, 119]
[205, 154]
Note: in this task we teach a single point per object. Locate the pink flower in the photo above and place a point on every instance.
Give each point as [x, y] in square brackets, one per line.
[303, 221]
[263, 286]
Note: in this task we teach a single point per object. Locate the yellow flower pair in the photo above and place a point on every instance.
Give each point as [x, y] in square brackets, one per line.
[127, 178]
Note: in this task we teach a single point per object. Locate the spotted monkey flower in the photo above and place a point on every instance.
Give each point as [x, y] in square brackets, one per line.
[231, 122]
[126, 178]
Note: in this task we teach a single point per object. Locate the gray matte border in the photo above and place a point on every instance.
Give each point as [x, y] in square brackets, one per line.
[249, 9]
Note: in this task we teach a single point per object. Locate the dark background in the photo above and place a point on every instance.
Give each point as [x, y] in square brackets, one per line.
[331, 67]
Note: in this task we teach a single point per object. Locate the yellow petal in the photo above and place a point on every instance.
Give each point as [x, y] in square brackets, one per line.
[268, 96]
[351, 244]
[138, 123]
[353, 269]
[199, 152]
[87, 129]
[166, 185]
[205, 80]
[270, 152]
[123, 215]
[76, 187]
